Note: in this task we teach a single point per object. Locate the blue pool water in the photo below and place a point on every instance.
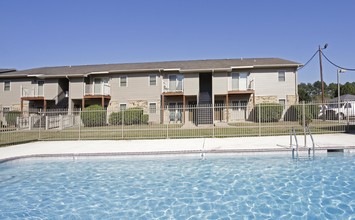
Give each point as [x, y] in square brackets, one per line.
[228, 187]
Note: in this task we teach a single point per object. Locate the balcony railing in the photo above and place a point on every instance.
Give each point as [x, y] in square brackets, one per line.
[247, 85]
[98, 89]
[31, 92]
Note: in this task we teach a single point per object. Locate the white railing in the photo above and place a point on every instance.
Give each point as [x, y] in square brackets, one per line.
[102, 89]
[30, 92]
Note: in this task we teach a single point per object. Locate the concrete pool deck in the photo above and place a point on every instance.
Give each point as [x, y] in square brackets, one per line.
[172, 146]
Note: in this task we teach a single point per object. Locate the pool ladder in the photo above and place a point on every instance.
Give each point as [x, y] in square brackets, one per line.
[296, 148]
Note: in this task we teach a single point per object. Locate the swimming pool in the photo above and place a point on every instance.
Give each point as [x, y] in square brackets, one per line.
[220, 187]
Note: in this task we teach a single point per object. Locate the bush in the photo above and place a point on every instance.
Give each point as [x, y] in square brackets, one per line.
[94, 115]
[131, 116]
[11, 117]
[311, 112]
[269, 112]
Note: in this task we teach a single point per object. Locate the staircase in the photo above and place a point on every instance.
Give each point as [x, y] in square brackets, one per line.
[205, 114]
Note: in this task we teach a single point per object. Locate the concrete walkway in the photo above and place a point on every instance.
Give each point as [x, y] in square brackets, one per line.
[171, 146]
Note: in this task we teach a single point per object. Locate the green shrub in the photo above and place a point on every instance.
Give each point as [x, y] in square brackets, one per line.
[269, 112]
[131, 116]
[115, 118]
[94, 115]
[11, 117]
[311, 112]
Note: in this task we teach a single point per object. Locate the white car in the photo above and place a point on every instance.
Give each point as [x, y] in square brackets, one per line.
[345, 110]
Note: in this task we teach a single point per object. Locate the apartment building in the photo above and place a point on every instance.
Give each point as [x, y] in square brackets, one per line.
[239, 84]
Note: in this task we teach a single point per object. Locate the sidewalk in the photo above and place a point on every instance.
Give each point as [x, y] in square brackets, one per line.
[173, 146]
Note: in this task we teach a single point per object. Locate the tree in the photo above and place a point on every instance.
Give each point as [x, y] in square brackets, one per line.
[303, 92]
[347, 88]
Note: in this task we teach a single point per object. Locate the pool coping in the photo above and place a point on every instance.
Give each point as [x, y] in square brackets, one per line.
[176, 152]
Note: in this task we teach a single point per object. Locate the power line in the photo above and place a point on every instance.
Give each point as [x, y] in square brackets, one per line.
[308, 60]
[349, 69]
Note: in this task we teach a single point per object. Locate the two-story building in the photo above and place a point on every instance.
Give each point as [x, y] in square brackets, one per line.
[235, 84]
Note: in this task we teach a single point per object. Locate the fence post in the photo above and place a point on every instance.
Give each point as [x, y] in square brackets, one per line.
[60, 122]
[304, 122]
[47, 122]
[259, 114]
[122, 124]
[79, 123]
[347, 119]
[40, 124]
[212, 120]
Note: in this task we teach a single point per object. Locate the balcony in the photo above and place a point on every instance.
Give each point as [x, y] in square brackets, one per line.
[32, 91]
[242, 85]
[102, 89]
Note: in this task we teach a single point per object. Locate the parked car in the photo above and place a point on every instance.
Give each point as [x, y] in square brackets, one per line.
[345, 110]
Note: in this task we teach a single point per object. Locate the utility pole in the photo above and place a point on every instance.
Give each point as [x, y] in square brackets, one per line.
[321, 77]
[321, 72]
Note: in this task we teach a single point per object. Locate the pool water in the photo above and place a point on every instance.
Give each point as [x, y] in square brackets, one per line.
[219, 187]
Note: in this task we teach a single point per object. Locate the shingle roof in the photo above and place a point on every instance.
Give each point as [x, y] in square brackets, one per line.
[7, 70]
[182, 65]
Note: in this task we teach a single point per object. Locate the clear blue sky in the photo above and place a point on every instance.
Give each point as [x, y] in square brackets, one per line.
[74, 32]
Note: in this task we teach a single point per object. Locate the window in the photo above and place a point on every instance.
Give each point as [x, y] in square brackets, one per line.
[123, 81]
[153, 108]
[239, 81]
[348, 105]
[152, 80]
[175, 82]
[282, 76]
[123, 106]
[282, 102]
[239, 105]
[5, 111]
[7, 86]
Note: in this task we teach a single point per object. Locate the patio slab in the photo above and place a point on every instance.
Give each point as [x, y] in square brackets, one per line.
[173, 146]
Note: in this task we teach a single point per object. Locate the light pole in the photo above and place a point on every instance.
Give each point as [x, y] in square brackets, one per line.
[321, 76]
[338, 80]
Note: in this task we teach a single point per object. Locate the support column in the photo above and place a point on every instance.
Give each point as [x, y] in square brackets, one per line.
[102, 101]
[227, 107]
[21, 105]
[44, 105]
[183, 108]
[162, 108]
[83, 103]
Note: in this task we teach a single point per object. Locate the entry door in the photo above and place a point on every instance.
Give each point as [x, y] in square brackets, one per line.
[239, 81]
[242, 81]
[97, 86]
[40, 88]
[239, 110]
[218, 110]
[192, 111]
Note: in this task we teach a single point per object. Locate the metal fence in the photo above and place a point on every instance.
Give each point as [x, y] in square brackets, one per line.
[175, 122]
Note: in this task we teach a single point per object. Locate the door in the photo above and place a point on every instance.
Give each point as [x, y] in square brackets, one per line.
[97, 86]
[218, 110]
[40, 88]
[192, 111]
[239, 81]
[242, 81]
[239, 110]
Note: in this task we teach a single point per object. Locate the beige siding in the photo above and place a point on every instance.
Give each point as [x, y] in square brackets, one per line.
[76, 88]
[220, 83]
[50, 89]
[267, 83]
[191, 84]
[13, 97]
[137, 88]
